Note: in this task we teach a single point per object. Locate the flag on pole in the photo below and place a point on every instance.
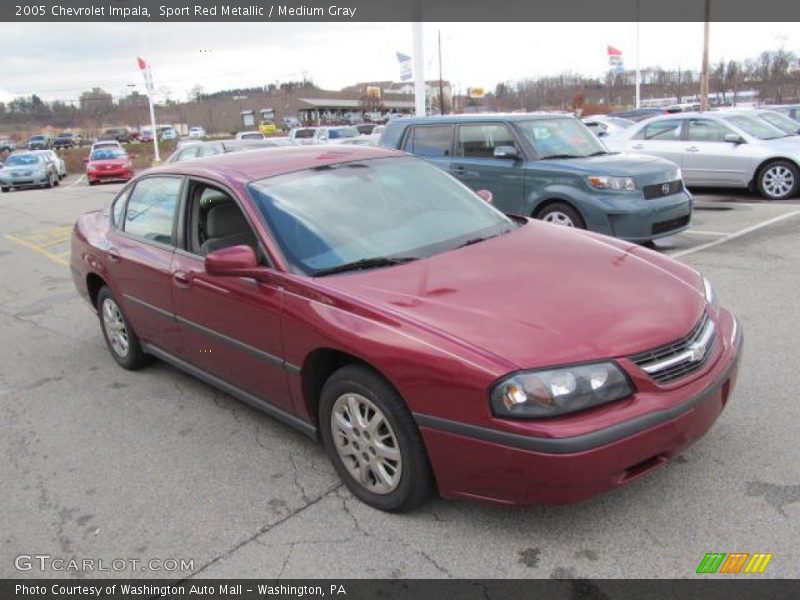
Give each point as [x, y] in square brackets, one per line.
[148, 82]
[148, 76]
[615, 59]
[405, 66]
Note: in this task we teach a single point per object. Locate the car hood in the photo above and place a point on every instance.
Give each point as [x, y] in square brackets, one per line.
[644, 168]
[540, 295]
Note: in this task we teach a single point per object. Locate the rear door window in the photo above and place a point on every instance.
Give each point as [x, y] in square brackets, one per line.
[661, 131]
[429, 140]
[151, 208]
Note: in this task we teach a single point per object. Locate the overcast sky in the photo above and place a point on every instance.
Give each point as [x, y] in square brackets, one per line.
[59, 60]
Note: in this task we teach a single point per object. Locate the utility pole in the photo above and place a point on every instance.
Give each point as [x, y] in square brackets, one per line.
[638, 76]
[704, 73]
[420, 92]
[441, 87]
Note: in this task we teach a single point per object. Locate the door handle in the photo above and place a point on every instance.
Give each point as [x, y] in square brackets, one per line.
[181, 279]
[638, 147]
[693, 149]
[113, 254]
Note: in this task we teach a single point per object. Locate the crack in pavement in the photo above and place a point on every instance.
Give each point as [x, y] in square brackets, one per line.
[262, 530]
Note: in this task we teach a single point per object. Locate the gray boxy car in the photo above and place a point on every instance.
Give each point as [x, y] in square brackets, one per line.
[551, 167]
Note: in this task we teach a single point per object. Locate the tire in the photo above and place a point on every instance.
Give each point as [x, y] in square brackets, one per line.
[57, 182]
[92, 182]
[5, 189]
[120, 338]
[778, 180]
[49, 183]
[561, 213]
[389, 431]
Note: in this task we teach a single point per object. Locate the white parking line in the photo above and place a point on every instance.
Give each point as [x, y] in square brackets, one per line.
[701, 232]
[736, 234]
[78, 180]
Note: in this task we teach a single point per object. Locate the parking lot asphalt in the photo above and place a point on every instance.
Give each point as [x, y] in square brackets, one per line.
[104, 463]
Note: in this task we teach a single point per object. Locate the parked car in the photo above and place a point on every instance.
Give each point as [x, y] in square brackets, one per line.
[250, 135]
[604, 126]
[377, 133]
[197, 133]
[790, 110]
[105, 144]
[27, 169]
[204, 149]
[7, 145]
[169, 135]
[39, 142]
[551, 167]
[354, 295]
[146, 134]
[121, 134]
[366, 128]
[720, 149]
[334, 135]
[290, 123]
[58, 162]
[67, 140]
[638, 114]
[107, 164]
[303, 136]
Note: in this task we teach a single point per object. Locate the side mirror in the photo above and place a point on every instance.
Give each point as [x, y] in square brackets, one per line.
[601, 133]
[235, 261]
[734, 138]
[506, 152]
[485, 195]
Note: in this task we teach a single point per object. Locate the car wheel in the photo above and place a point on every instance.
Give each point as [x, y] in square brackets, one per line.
[779, 180]
[57, 181]
[373, 442]
[5, 189]
[92, 182]
[561, 213]
[118, 333]
[49, 183]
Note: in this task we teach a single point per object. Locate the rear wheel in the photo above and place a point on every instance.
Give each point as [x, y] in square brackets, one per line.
[373, 442]
[561, 213]
[118, 333]
[5, 189]
[779, 180]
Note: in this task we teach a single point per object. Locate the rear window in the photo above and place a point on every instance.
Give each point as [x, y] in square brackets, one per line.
[429, 140]
[304, 133]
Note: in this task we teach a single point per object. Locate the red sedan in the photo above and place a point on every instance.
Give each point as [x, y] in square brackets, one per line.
[431, 342]
[106, 164]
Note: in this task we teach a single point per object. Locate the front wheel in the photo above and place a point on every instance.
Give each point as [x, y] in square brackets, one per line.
[118, 333]
[5, 189]
[561, 213]
[373, 442]
[779, 180]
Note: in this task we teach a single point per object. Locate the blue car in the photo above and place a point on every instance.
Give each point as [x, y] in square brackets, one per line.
[551, 167]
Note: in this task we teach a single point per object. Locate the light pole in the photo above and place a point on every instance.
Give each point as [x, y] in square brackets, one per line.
[704, 72]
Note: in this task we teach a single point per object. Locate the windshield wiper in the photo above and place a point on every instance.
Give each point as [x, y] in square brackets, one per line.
[556, 156]
[478, 240]
[599, 153]
[365, 263]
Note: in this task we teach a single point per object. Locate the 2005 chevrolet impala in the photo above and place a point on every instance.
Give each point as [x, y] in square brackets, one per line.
[430, 341]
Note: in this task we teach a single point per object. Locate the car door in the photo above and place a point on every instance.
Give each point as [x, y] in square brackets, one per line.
[660, 138]
[476, 166]
[434, 143]
[709, 160]
[231, 326]
[140, 251]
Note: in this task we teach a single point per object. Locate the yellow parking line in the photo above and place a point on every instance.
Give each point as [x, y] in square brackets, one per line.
[55, 242]
[57, 258]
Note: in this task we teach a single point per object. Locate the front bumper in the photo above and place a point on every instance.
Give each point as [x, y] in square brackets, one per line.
[512, 469]
[640, 220]
[109, 174]
[24, 180]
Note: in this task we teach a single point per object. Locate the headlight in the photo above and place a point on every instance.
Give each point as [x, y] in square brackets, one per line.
[711, 296]
[551, 392]
[606, 182]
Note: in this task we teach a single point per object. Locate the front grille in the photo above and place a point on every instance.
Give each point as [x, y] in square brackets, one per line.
[677, 359]
[670, 225]
[659, 190]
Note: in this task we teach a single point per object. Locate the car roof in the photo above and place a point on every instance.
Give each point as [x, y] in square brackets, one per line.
[269, 162]
[482, 117]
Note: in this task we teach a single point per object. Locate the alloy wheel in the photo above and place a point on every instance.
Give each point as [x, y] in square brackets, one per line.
[115, 328]
[778, 181]
[366, 443]
[559, 218]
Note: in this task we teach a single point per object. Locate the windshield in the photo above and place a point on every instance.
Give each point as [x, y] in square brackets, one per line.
[22, 159]
[560, 138]
[756, 127]
[64, 136]
[37, 138]
[304, 133]
[782, 122]
[394, 208]
[344, 132]
[107, 154]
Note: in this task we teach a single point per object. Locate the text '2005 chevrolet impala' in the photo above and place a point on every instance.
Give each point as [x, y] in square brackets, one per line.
[432, 343]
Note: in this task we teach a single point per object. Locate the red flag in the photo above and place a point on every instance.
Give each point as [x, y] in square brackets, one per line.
[613, 51]
[143, 65]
